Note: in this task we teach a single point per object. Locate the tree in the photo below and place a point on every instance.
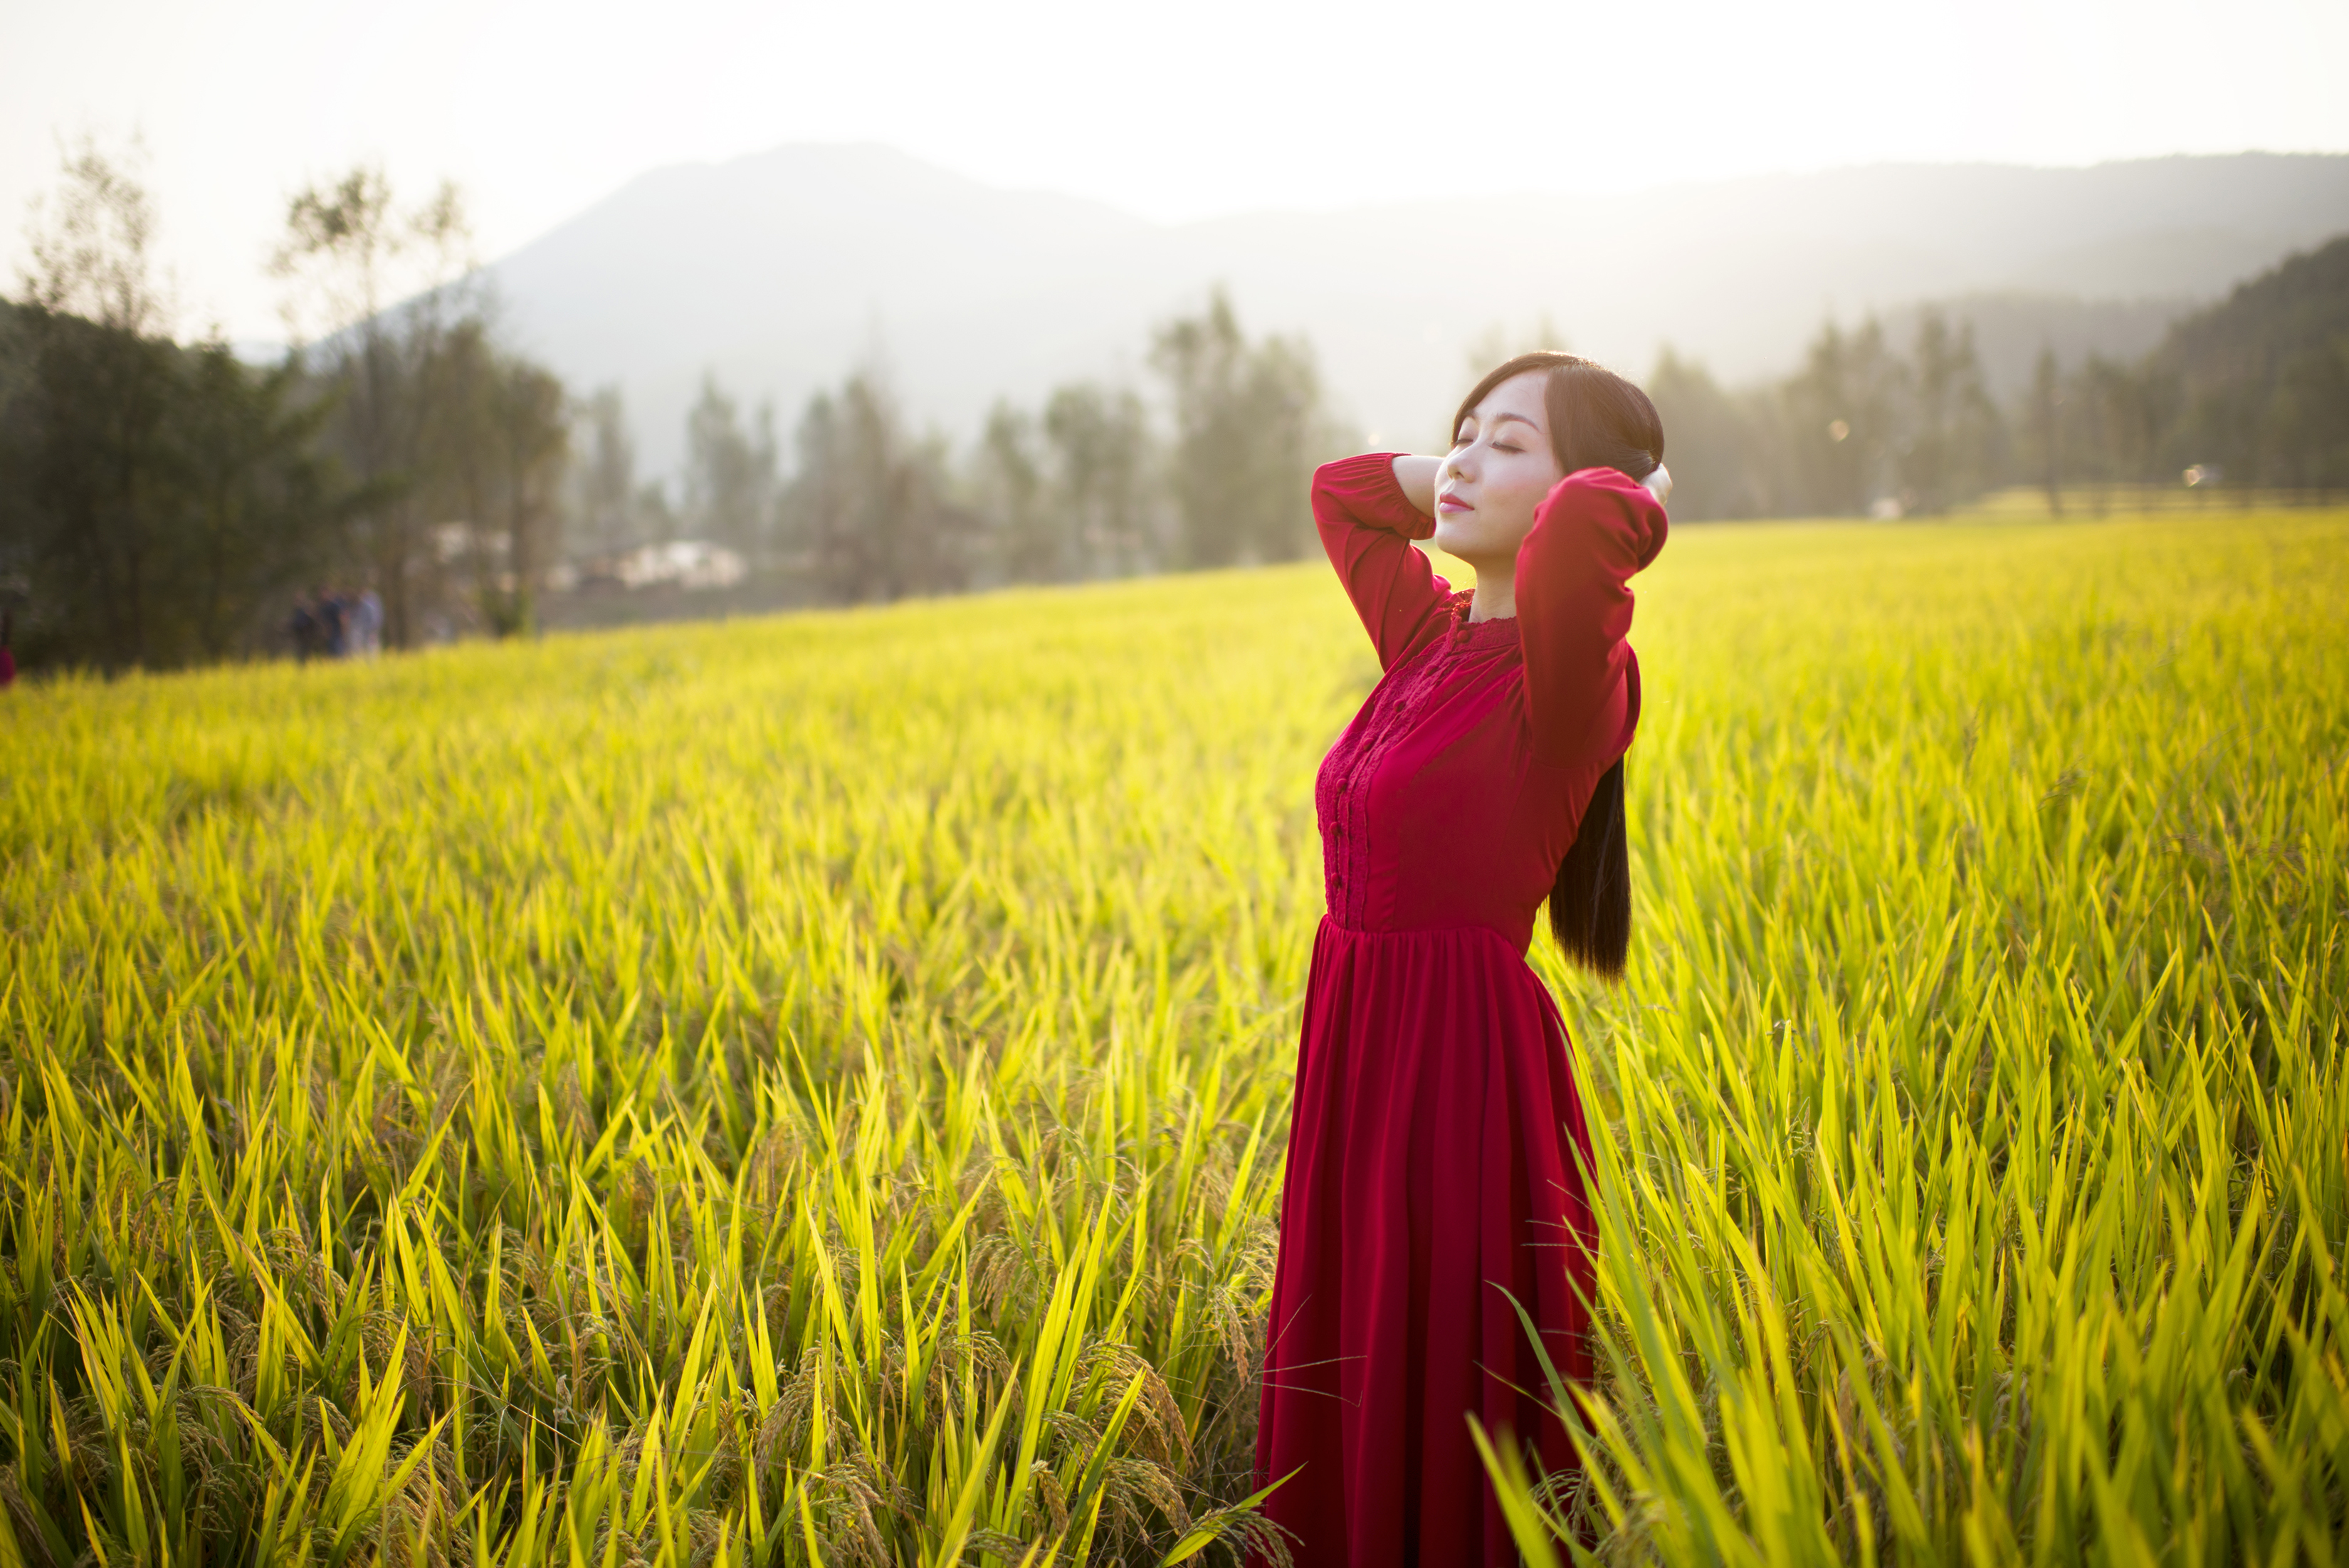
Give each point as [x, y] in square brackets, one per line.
[1011, 480]
[2119, 409]
[491, 467]
[1070, 495]
[654, 515]
[1247, 422]
[869, 508]
[2043, 430]
[451, 477]
[729, 487]
[97, 450]
[1844, 413]
[93, 259]
[606, 502]
[2306, 431]
[1948, 454]
[349, 249]
[1104, 464]
[528, 413]
[262, 502]
[1711, 443]
[169, 498]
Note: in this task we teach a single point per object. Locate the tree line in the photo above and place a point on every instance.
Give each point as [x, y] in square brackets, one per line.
[859, 505]
[2251, 393]
[168, 503]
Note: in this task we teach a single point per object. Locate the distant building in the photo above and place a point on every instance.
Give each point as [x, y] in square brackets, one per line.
[685, 563]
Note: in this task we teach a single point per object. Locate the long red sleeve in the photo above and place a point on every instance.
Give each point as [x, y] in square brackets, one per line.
[1596, 529]
[1367, 526]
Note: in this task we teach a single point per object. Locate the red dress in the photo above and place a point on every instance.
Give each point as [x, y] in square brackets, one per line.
[1432, 1155]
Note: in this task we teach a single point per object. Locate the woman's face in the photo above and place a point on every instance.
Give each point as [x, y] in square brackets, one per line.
[1499, 468]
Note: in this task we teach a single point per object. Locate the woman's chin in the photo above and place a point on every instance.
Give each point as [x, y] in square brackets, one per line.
[1461, 539]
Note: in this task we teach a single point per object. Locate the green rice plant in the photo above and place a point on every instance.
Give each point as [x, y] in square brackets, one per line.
[1976, 1121]
[812, 1089]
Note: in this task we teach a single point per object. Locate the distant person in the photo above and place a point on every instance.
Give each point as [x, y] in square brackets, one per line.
[367, 622]
[1437, 1153]
[335, 624]
[7, 649]
[305, 628]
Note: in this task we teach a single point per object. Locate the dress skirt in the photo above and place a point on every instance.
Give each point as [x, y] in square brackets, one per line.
[1435, 1187]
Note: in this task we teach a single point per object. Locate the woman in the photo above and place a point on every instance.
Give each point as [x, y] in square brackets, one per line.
[1435, 1179]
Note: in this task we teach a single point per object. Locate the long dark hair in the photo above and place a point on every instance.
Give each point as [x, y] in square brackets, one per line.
[1597, 420]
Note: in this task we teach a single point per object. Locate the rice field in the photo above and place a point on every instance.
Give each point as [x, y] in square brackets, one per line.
[812, 1090]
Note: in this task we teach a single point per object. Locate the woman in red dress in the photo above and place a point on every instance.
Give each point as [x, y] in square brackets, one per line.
[1436, 1155]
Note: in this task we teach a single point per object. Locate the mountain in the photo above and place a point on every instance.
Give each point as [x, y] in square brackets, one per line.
[778, 272]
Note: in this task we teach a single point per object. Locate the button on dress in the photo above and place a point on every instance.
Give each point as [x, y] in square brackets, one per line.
[1434, 1154]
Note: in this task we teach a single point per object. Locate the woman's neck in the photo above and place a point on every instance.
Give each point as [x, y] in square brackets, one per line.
[1497, 591]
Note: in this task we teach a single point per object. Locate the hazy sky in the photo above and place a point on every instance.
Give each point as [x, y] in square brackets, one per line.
[1171, 110]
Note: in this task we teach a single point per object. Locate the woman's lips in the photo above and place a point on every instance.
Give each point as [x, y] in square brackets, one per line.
[1448, 502]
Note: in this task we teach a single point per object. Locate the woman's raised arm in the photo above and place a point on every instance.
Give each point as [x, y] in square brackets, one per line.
[1574, 613]
[1368, 510]
[1416, 477]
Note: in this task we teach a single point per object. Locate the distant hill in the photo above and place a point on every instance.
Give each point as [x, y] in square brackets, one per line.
[2301, 307]
[779, 271]
[2260, 383]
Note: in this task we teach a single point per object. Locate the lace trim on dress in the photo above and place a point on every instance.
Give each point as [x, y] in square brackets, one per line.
[1460, 602]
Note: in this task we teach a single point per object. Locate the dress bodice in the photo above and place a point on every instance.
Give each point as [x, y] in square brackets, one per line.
[1451, 798]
